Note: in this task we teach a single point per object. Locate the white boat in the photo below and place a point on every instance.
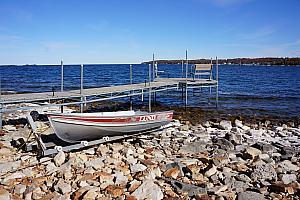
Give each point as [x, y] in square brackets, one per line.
[76, 127]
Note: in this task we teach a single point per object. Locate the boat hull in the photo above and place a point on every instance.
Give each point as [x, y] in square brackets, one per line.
[78, 128]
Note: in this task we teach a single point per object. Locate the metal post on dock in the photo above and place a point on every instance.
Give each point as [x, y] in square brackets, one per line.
[210, 77]
[153, 70]
[217, 79]
[182, 69]
[62, 76]
[186, 72]
[81, 88]
[81, 79]
[130, 74]
[149, 87]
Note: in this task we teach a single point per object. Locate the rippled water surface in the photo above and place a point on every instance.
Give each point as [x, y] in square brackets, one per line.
[250, 89]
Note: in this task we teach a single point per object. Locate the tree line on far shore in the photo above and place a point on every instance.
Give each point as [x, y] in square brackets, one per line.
[236, 61]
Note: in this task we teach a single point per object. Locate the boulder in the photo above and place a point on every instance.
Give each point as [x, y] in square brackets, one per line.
[249, 195]
[288, 178]
[60, 158]
[137, 168]
[252, 152]
[264, 171]
[148, 190]
[225, 125]
[288, 166]
[62, 187]
[4, 194]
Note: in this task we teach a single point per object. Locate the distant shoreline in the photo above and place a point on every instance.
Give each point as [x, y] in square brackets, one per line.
[237, 61]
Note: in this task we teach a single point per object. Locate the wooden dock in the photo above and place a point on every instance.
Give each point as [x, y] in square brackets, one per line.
[106, 93]
[89, 95]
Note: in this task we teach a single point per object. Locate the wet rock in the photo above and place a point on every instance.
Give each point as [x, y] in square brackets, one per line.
[264, 171]
[60, 158]
[225, 125]
[148, 190]
[288, 178]
[249, 195]
[137, 168]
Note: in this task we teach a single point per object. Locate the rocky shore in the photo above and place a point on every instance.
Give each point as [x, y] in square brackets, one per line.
[225, 159]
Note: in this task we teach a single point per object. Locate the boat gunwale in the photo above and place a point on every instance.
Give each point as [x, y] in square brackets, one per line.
[61, 115]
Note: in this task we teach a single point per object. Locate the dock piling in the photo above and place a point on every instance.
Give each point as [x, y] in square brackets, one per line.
[149, 88]
[81, 79]
[62, 76]
[130, 74]
[186, 72]
[217, 86]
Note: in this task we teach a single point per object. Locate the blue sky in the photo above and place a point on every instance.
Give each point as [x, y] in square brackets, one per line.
[129, 31]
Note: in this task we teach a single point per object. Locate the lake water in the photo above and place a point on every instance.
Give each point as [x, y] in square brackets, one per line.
[248, 89]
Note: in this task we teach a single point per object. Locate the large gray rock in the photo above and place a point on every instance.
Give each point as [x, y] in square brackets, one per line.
[121, 179]
[62, 187]
[177, 165]
[264, 172]
[211, 171]
[190, 189]
[225, 125]
[137, 168]
[288, 178]
[194, 147]
[13, 176]
[249, 195]
[96, 163]
[288, 166]
[252, 152]
[9, 166]
[60, 158]
[148, 190]
[238, 123]
[224, 144]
